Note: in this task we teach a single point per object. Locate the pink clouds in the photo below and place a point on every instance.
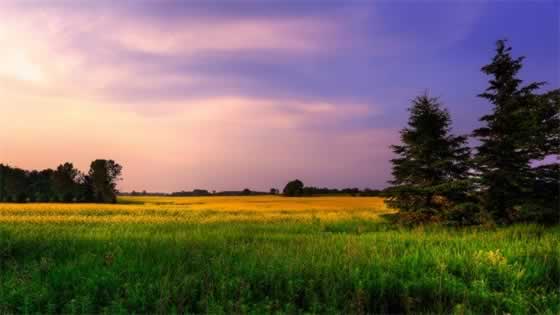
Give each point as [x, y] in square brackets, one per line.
[61, 69]
[194, 37]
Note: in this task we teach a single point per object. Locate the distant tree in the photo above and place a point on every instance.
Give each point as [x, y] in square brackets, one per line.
[246, 191]
[15, 184]
[104, 175]
[40, 185]
[294, 188]
[3, 175]
[431, 163]
[351, 191]
[273, 191]
[521, 127]
[308, 191]
[65, 182]
[370, 192]
[86, 192]
[200, 192]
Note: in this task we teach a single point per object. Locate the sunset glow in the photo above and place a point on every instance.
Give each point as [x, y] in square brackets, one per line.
[234, 96]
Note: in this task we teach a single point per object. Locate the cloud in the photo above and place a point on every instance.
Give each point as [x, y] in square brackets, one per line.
[106, 51]
[191, 38]
[214, 100]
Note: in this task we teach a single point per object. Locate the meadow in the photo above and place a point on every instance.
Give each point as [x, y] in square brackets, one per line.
[266, 254]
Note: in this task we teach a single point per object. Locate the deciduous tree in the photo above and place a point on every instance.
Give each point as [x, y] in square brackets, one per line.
[293, 188]
[104, 175]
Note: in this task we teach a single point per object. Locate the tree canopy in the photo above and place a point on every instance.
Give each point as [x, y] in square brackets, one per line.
[293, 188]
[64, 184]
[508, 178]
[521, 128]
[430, 162]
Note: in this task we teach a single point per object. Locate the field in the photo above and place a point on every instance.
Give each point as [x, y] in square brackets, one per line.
[266, 255]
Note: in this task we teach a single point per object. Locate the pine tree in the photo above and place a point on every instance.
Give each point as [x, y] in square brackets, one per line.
[507, 141]
[431, 162]
[543, 202]
[544, 115]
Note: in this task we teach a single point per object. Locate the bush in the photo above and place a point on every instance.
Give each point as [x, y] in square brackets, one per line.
[413, 218]
[467, 213]
[538, 212]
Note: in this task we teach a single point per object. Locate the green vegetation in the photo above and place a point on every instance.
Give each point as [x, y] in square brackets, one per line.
[65, 184]
[507, 181]
[431, 162]
[355, 266]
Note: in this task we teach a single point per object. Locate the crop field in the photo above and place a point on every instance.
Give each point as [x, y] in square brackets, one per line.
[266, 254]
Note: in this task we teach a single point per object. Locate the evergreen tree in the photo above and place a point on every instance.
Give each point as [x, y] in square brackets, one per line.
[544, 118]
[432, 163]
[513, 135]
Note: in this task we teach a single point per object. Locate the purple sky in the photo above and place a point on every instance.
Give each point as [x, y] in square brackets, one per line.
[227, 95]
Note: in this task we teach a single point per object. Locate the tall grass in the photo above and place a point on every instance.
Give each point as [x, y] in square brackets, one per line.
[350, 265]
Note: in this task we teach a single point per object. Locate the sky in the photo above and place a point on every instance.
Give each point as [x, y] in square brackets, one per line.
[226, 95]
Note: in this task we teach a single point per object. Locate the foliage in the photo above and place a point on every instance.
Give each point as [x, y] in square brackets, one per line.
[467, 213]
[65, 184]
[434, 175]
[104, 175]
[431, 162]
[522, 127]
[293, 188]
[544, 201]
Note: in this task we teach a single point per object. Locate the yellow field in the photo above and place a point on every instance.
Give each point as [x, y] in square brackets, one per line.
[199, 210]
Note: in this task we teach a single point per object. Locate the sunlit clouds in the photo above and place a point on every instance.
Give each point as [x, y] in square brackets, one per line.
[223, 96]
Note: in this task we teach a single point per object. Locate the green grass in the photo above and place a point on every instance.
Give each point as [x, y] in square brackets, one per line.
[282, 267]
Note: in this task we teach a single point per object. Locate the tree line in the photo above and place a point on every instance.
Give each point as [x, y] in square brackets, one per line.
[437, 177]
[63, 184]
[301, 191]
[296, 188]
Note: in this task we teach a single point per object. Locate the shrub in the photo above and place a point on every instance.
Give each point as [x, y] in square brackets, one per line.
[421, 216]
[467, 213]
[538, 212]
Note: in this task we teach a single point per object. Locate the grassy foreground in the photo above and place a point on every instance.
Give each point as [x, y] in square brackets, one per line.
[263, 255]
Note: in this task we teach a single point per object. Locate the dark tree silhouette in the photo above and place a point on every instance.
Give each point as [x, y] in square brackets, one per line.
[294, 188]
[521, 127]
[65, 182]
[431, 162]
[15, 185]
[40, 185]
[104, 175]
[3, 176]
[86, 191]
